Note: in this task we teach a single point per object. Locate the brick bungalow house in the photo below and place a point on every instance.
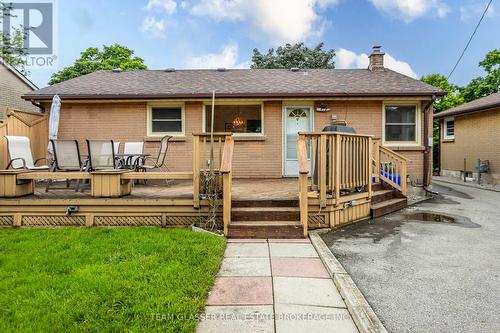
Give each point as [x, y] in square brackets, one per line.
[13, 84]
[265, 108]
[470, 131]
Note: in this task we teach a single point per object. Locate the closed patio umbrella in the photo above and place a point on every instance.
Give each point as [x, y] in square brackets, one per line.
[55, 110]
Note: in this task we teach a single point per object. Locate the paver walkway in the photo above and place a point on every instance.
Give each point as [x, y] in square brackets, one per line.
[274, 286]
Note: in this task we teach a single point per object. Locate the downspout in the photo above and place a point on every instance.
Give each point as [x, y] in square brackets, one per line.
[427, 166]
[38, 105]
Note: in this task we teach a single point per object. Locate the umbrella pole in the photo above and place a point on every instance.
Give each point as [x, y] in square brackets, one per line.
[212, 135]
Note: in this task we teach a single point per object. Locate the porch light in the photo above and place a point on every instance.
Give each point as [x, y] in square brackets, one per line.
[237, 122]
[323, 108]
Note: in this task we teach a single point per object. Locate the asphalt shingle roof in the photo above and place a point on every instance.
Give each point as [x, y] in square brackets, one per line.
[488, 102]
[237, 83]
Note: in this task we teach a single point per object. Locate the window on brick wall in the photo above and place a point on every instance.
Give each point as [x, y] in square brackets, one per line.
[449, 129]
[238, 119]
[401, 124]
[166, 120]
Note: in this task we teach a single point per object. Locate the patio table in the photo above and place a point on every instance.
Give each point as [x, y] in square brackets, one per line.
[127, 158]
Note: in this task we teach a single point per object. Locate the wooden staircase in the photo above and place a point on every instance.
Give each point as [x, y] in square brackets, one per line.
[386, 200]
[265, 219]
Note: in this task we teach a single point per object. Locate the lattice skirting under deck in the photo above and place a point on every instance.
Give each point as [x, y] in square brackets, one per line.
[107, 220]
[6, 221]
[316, 221]
[53, 220]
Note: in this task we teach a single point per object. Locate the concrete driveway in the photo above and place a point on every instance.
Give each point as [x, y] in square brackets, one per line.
[429, 276]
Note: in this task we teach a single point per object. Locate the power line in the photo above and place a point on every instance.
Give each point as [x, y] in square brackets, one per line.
[470, 39]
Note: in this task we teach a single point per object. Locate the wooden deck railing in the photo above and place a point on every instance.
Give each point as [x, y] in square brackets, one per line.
[226, 170]
[392, 168]
[332, 166]
[201, 159]
[376, 160]
[303, 176]
[338, 161]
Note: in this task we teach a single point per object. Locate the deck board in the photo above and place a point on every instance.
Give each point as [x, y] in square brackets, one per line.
[243, 189]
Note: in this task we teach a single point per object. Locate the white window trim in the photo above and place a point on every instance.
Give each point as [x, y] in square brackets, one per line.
[445, 125]
[418, 120]
[251, 135]
[166, 105]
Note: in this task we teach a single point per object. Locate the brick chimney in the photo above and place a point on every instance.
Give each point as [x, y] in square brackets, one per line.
[376, 59]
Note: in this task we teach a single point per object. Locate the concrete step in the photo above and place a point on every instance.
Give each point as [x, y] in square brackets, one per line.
[265, 214]
[265, 229]
[388, 206]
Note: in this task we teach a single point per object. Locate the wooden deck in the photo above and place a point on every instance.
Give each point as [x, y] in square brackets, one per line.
[333, 189]
[243, 190]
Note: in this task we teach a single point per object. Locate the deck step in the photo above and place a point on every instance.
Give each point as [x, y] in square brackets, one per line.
[388, 206]
[265, 214]
[265, 203]
[265, 229]
[382, 195]
[378, 187]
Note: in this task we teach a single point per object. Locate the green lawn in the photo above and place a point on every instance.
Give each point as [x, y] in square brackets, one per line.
[105, 279]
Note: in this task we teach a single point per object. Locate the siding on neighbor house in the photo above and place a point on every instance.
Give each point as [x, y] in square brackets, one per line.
[253, 157]
[476, 137]
[11, 89]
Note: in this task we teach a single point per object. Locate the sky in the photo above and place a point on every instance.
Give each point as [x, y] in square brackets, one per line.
[418, 36]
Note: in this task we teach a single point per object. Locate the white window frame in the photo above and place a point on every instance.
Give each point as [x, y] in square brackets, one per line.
[445, 127]
[152, 106]
[418, 124]
[235, 103]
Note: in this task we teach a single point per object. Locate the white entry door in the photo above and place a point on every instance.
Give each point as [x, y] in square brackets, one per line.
[297, 119]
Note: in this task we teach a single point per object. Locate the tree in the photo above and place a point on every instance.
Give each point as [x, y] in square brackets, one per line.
[484, 86]
[297, 55]
[91, 60]
[452, 97]
[12, 48]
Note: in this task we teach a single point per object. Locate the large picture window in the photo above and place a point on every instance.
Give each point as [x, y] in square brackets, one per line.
[166, 120]
[401, 123]
[244, 119]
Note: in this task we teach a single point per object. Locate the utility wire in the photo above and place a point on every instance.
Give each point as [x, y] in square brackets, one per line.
[470, 39]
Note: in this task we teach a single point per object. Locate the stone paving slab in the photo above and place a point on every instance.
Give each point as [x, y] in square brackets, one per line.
[241, 291]
[307, 291]
[299, 267]
[292, 250]
[256, 318]
[300, 318]
[287, 291]
[290, 240]
[247, 250]
[246, 240]
[245, 267]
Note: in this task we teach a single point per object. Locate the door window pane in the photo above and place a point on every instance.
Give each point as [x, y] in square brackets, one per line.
[297, 120]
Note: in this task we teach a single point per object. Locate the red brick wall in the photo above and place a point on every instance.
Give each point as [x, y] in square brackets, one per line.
[252, 158]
